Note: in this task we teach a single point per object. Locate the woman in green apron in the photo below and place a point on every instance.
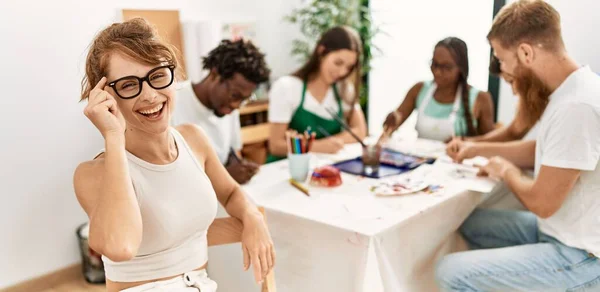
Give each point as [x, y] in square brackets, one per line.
[328, 82]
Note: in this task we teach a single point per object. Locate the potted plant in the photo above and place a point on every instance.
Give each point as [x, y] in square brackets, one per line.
[320, 15]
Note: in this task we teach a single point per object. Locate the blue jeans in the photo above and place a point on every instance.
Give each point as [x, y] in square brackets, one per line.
[511, 254]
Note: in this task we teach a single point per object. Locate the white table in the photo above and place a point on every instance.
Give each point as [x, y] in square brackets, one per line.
[347, 239]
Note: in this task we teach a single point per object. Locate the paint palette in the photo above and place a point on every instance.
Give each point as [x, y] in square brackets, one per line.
[399, 186]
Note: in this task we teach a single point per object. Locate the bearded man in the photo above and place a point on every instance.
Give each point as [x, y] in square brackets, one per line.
[553, 245]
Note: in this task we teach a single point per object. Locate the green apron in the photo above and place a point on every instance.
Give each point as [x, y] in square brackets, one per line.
[302, 120]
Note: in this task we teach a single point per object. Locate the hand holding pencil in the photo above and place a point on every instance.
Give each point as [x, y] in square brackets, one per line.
[328, 144]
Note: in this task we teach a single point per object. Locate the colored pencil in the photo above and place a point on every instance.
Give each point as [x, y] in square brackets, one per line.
[287, 141]
[299, 186]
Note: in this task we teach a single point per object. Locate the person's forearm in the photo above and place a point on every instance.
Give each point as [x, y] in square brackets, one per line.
[278, 147]
[357, 125]
[514, 131]
[404, 115]
[116, 222]
[239, 206]
[498, 135]
[521, 153]
[522, 187]
[348, 138]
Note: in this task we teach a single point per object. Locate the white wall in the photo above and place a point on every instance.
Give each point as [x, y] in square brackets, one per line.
[44, 133]
[276, 36]
[273, 35]
[412, 30]
[580, 25]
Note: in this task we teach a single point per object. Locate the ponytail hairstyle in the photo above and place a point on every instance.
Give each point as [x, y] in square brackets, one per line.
[458, 50]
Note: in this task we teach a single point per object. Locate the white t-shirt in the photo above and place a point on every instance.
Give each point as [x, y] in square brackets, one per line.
[569, 137]
[532, 133]
[223, 132]
[285, 96]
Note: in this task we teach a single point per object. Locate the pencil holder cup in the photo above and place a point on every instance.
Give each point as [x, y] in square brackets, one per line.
[299, 166]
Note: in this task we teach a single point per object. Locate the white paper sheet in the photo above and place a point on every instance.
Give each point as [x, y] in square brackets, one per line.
[348, 152]
[418, 147]
[449, 173]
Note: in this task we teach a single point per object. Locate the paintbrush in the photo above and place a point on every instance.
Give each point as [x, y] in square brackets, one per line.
[346, 127]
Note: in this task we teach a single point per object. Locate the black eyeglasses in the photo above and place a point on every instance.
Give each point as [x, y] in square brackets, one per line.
[236, 97]
[442, 67]
[131, 86]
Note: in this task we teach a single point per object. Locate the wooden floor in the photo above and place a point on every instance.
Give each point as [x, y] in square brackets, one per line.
[69, 279]
[79, 285]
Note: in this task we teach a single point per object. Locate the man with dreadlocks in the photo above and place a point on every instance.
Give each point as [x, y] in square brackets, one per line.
[235, 68]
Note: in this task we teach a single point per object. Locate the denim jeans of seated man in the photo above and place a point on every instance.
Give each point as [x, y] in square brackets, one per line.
[509, 253]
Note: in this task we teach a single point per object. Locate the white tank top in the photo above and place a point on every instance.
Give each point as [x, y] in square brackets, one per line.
[178, 204]
[435, 128]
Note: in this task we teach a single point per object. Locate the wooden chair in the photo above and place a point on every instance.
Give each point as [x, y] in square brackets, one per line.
[255, 131]
[229, 230]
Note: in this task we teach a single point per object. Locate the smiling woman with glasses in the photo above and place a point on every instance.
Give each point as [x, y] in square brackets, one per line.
[448, 106]
[152, 193]
[131, 86]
